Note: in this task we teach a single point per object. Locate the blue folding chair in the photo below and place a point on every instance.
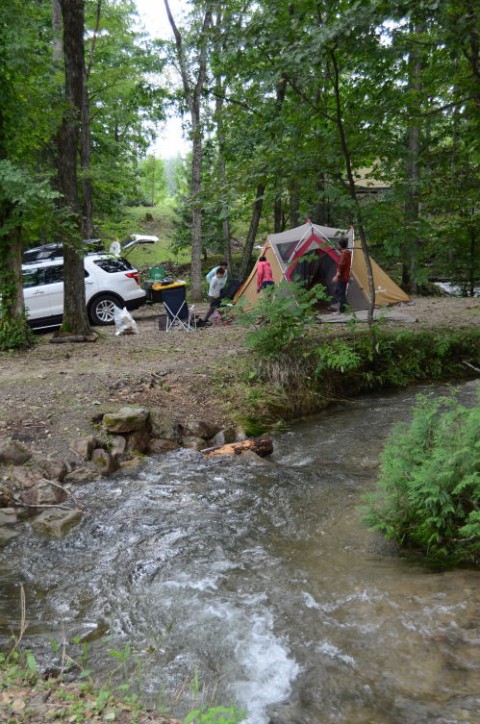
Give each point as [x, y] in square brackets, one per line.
[179, 315]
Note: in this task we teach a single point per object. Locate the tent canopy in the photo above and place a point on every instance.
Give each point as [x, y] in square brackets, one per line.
[309, 254]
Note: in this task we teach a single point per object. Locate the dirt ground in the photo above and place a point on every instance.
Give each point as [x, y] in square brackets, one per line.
[53, 393]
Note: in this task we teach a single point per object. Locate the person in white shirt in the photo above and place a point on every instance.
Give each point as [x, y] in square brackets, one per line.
[211, 274]
[214, 292]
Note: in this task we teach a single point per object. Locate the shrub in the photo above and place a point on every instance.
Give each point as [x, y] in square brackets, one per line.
[428, 493]
[280, 320]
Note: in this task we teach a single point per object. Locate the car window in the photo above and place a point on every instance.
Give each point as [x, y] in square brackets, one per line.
[112, 265]
[54, 274]
[33, 277]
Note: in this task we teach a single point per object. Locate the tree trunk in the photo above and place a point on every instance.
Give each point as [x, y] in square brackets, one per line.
[196, 191]
[75, 318]
[277, 215]
[294, 205]
[193, 96]
[252, 230]
[85, 145]
[226, 232]
[352, 190]
[413, 243]
[321, 213]
[14, 331]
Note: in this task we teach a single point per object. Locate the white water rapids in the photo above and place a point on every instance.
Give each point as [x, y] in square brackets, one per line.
[257, 580]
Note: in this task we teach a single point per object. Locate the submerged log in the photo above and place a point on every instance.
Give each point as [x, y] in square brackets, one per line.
[262, 446]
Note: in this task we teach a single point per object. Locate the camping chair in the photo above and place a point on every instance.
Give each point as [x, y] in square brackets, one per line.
[179, 315]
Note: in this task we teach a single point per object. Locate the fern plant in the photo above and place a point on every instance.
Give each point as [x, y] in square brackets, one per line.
[428, 493]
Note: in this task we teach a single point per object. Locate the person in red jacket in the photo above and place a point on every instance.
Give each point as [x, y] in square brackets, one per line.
[264, 274]
[342, 276]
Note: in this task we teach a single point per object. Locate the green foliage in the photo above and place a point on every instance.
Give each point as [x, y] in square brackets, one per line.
[215, 715]
[339, 355]
[153, 183]
[428, 493]
[14, 332]
[281, 320]
[84, 699]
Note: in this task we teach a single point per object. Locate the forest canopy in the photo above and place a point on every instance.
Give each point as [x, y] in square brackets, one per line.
[344, 113]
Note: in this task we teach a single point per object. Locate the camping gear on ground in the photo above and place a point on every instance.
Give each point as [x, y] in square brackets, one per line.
[309, 254]
[157, 273]
[124, 322]
[179, 315]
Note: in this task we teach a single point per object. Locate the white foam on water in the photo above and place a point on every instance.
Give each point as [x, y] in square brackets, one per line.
[209, 583]
[310, 601]
[333, 652]
[268, 670]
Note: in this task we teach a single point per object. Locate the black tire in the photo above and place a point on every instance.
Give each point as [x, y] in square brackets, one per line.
[101, 309]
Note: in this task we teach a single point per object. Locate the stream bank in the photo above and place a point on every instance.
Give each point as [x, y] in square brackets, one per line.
[53, 393]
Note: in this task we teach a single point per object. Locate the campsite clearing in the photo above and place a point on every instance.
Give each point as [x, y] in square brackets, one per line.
[51, 394]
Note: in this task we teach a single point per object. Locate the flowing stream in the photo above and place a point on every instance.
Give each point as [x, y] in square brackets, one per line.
[254, 582]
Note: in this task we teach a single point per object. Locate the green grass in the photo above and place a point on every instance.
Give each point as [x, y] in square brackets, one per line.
[135, 221]
[163, 226]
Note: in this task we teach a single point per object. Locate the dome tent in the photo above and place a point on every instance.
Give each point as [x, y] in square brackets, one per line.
[309, 254]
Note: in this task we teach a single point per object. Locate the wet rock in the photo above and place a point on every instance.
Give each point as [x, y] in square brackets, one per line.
[119, 445]
[8, 516]
[131, 463]
[85, 446]
[43, 493]
[159, 446]
[13, 452]
[163, 427]
[81, 475]
[138, 441]
[56, 522]
[199, 428]
[7, 534]
[253, 457]
[104, 462]
[194, 443]
[127, 419]
[224, 437]
[52, 470]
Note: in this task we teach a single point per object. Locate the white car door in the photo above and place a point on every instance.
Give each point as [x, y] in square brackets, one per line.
[35, 293]
[54, 288]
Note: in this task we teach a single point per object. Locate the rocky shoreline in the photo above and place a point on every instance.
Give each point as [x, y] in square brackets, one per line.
[42, 488]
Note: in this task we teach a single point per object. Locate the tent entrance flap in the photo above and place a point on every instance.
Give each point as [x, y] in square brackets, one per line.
[312, 269]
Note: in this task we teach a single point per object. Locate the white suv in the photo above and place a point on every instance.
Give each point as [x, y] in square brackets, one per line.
[109, 282]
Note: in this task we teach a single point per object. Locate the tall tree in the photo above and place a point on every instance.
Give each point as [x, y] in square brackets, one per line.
[75, 319]
[193, 81]
[24, 88]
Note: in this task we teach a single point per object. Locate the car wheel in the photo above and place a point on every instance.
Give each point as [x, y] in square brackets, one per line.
[101, 310]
